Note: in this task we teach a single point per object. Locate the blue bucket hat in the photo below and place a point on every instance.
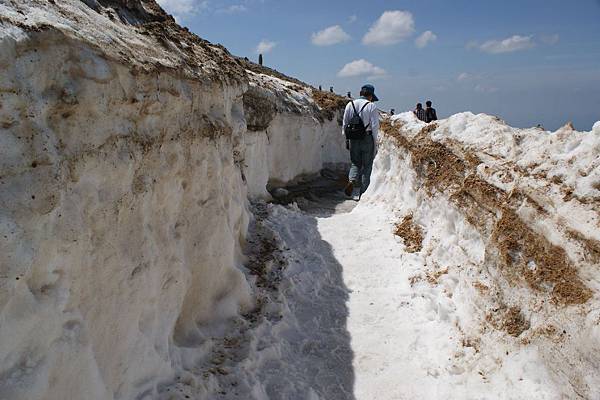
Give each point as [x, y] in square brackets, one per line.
[370, 90]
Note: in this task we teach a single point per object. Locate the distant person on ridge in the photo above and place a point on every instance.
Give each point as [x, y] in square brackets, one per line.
[419, 112]
[430, 114]
[360, 127]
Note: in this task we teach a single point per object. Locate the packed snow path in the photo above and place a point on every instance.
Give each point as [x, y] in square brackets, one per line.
[352, 316]
[403, 338]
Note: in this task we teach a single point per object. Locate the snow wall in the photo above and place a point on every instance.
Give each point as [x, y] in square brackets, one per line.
[125, 170]
[289, 136]
[508, 220]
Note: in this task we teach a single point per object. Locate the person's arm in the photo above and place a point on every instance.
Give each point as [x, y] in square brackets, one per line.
[434, 114]
[346, 118]
[374, 122]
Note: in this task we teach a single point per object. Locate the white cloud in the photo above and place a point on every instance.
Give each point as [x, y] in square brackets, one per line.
[424, 39]
[392, 27]
[232, 9]
[463, 77]
[360, 68]
[513, 43]
[330, 36]
[265, 46]
[181, 8]
[352, 19]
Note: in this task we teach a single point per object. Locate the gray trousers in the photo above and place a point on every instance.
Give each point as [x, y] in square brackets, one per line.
[362, 153]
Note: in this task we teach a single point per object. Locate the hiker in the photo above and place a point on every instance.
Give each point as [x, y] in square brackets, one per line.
[360, 127]
[430, 114]
[419, 112]
[392, 111]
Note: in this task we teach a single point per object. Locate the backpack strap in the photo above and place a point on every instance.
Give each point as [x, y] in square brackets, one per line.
[361, 110]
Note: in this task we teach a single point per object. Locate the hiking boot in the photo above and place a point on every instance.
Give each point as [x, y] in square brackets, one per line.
[349, 188]
[356, 194]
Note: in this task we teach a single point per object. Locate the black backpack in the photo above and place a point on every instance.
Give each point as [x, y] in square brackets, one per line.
[355, 129]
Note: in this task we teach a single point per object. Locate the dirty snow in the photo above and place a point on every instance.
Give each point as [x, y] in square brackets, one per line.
[293, 140]
[357, 316]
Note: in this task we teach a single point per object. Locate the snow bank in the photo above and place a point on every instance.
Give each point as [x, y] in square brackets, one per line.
[123, 215]
[124, 207]
[288, 136]
[510, 223]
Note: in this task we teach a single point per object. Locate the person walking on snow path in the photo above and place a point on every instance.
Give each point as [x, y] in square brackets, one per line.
[419, 112]
[360, 127]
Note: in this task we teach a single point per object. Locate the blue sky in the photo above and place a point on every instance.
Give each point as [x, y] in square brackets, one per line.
[527, 61]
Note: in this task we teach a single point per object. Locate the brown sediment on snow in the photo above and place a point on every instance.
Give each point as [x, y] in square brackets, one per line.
[510, 320]
[259, 109]
[433, 276]
[136, 33]
[264, 255]
[330, 103]
[262, 69]
[529, 255]
[523, 255]
[411, 233]
[591, 246]
[481, 287]
[269, 94]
